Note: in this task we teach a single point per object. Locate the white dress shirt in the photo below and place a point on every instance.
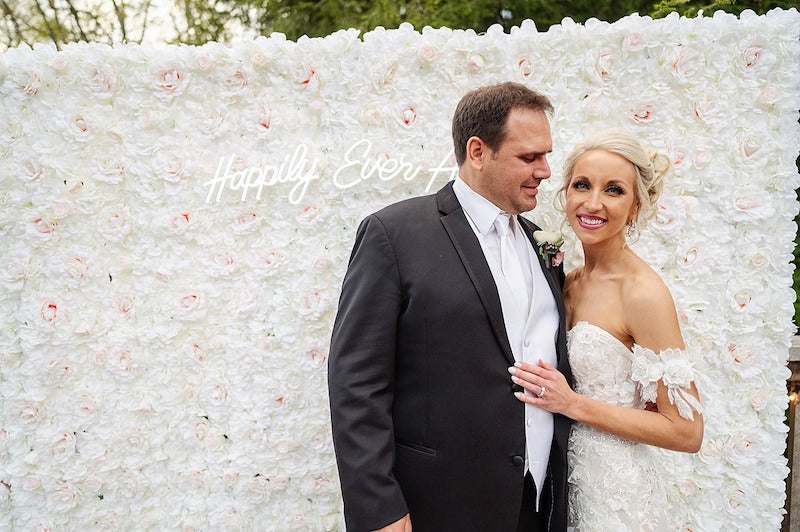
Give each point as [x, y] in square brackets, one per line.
[532, 336]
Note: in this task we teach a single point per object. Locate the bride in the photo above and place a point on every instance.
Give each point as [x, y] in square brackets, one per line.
[633, 379]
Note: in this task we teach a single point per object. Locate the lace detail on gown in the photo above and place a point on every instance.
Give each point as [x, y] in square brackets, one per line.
[674, 368]
[616, 484]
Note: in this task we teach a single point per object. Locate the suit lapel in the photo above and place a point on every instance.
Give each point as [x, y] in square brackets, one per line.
[469, 250]
[549, 274]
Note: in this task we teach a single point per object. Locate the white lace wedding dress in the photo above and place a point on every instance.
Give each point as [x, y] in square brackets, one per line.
[616, 484]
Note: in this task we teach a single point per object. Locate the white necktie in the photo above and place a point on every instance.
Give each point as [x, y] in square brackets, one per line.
[510, 263]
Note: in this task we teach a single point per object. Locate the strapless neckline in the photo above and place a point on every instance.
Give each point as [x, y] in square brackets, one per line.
[603, 331]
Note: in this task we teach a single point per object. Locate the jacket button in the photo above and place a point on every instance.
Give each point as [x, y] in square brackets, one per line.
[518, 461]
[516, 388]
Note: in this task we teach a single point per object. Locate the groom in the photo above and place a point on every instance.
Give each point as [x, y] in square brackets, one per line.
[442, 294]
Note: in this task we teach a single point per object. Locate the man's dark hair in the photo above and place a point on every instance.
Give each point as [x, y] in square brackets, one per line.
[483, 113]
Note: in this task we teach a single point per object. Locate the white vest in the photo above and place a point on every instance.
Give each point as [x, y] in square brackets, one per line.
[531, 339]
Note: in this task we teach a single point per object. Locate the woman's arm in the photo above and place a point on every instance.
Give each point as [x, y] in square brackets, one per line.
[653, 323]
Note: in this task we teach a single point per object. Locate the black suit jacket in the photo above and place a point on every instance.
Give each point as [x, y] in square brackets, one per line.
[423, 413]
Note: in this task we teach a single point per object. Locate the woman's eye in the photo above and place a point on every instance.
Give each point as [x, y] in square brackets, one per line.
[616, 190]
[580, 185]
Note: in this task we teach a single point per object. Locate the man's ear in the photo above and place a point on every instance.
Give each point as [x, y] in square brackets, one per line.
[476, 152]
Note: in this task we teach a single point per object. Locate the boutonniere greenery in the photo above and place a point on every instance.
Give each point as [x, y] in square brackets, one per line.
[550, 244]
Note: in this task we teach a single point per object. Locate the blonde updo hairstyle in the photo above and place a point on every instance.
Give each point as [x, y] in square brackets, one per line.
[649, 165]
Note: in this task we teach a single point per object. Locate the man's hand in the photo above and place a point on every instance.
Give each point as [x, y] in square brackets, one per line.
[402, 525]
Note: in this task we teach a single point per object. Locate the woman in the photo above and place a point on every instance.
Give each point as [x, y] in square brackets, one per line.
[633, 379]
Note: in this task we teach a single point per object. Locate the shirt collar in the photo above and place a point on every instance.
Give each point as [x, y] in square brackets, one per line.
[480, 210]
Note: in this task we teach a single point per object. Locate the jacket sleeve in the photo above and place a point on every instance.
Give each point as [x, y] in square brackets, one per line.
[361, 381]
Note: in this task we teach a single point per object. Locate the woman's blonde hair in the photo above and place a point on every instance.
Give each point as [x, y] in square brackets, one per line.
[650, 166]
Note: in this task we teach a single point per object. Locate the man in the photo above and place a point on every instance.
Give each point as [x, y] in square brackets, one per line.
[442, 294]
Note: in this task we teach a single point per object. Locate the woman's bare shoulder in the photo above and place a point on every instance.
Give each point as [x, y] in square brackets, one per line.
[650, 310]
[571, 276]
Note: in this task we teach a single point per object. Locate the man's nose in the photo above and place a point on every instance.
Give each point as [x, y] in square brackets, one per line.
[542, 171]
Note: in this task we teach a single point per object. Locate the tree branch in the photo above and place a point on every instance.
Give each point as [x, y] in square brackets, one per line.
[190, 29]
[121, 18]
[144, 20]
[10, 15]
[76, 18]
[50, 30]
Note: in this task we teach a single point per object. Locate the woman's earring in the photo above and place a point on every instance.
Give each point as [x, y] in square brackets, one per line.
[631, 229]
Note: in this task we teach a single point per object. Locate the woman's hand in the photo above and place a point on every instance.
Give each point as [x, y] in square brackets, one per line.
[546, 387]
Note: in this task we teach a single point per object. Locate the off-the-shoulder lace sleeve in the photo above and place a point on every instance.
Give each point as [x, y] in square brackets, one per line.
[674, 368]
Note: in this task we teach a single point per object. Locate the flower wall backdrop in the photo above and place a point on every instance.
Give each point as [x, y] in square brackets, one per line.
[175, 224]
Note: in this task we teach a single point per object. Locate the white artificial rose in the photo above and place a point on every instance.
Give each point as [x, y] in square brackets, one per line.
[13, 271]
[86, 405]
[114, 223]
[23, 84]
[633, 42]
[236, 82]
[426, 52]
[308, 213]
[769, 96]
[670, 216]
[78, 129]
[212, 119]
[406, 116]
[312, 303]
[100, 81]
[204, 61]
[701, 158]
[759, 260]
[745, 360]
[601, 67]
[63, 447]
[41, 228]
[172, 167]
[246, 221]
[316, 356]
[229, 518]
[247, 303]
[642, 113]
[262, 118]
[109, 170]
[223, 262]
[122, 306]
[304, 76]
[708, 110]
[254, 490]
[754, 58]
[179, 223]
[475, 63]
[260, 57]
[188, 306]
[594, 106]
[63, 498]
[750, 204]
[170, 82]
[687, 65]
[123, 363]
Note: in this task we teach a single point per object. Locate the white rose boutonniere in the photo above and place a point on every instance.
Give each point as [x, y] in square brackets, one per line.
[550, 244]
